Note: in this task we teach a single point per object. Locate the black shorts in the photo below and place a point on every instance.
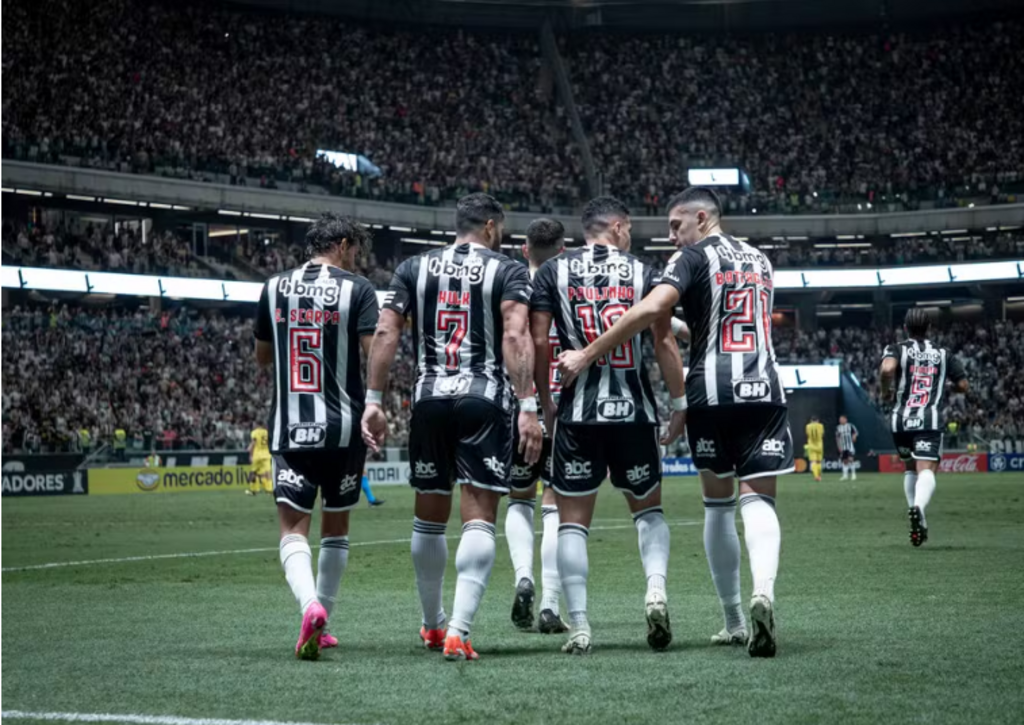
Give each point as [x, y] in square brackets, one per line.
[583, 454]
[524, 476]
[740, 441]
[336, 473]
[919, 445]
[468, 440]
[846, 455]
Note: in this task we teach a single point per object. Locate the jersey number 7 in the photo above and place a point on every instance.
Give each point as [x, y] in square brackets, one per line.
[454, 323]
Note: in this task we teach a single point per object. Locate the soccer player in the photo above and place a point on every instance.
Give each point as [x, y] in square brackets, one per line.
[259, 458]
[545, 238]
[922, 370]
[607, 416]
[815, 432]
[736, 415]
[470, 306]
[368, 492]
[311, 325]
[846, 439]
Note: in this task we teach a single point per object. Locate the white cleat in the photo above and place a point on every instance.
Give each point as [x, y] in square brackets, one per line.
[579, 642]
[844, 478]
[762, 627]
[659, 629]
[725, 637]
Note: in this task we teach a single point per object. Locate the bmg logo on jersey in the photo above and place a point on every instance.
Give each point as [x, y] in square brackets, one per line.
[323, 289]
[774, 447]
[424, 469]
[307, 434]
[750, 389]
[621, 268]
[492, 464]
[636, 474]
[472, 270]
[575, 470]
[615, 409]
[705, 447]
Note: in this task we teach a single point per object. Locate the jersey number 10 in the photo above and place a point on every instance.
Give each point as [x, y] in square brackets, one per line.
[620, 357]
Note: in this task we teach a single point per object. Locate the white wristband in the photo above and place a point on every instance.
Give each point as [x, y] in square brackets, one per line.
[679, 404]
[528, 405]
[375, 397]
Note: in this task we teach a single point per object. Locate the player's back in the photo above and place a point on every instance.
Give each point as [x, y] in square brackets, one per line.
[921, 376]
[587, 290]
[454, 297]
[260, 442]
[315, 315]
[727, 303]
[815, 435]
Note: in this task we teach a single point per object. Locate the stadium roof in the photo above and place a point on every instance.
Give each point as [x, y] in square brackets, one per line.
[687, 15]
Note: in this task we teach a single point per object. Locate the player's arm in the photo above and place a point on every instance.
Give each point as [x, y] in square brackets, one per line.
[264, 332]
[517, 348]
[381, 354]
[855, 432]
[540, 329]
[680, 329]
[666, 352]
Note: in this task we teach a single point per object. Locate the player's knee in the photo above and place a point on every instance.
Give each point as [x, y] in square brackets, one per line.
[334, 523]
[479, 503]
[433, 507]
[765, 486]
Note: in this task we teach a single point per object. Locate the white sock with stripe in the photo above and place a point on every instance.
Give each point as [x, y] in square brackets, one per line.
[297, 560]
[330, 568]
[429, 559]
[574, 567]
[519, 532]
[473, 561]
[653, 538]
[910, 487]
[722, 548]
[551, 582]
[764, 539]
[923, 492]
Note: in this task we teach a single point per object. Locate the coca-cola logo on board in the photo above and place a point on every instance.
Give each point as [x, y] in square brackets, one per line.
[963, 463]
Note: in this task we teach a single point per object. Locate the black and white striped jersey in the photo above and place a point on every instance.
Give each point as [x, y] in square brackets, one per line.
[454, 297]
[921, 381]
[844, 436]
[314, 316]
[586, 291]
[726, 288]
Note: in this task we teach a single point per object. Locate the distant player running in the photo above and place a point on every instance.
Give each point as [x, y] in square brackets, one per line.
[737, 421]
[920, 371]
[470, 306]
[260, 460]
[846, 443]
[545, 238]
[607, 414]
[311, 324]
[815, 433]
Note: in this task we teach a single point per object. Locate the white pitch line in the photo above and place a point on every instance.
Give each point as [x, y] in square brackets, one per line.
[262, 550]
[139, 719]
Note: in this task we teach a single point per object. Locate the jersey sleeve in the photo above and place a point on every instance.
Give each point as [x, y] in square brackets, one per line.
[650, 279]
[399, 294]
[255, 434]
[517, 287]
[543, 297]
[682, 270]
[955, 371]
[891, 351]
[264, 317]
[368, 310]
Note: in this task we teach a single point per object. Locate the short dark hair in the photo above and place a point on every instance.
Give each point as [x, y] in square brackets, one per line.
[544, 238]
[599, 212]
[473, 211]
[330, 229]
[697, 194]
[917, 323]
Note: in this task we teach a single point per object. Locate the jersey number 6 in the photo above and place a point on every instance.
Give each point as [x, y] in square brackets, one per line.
[305, 362]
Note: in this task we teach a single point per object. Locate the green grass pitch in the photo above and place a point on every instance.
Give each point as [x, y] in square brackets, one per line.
[871, 630]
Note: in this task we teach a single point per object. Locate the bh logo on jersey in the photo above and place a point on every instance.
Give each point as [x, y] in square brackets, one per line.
[636, 474]
[615, 409]
[288, 477]
[575, 470]
[913, 423]
[307, 434]
[750, 389]
[424, 469]
[349, 483]
[495, 466]
[774, 447]
[705, 447]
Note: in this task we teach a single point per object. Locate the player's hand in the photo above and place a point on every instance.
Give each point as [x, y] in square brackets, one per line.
[530, 437]
[676, 425]
[375, 427]
[550, 415]
[570, 364]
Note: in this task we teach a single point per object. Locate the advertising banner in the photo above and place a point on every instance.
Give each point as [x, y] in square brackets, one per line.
[168, 480]
[1001, 462]
[868, 464]
[42, 462]
[678, 467]
[951, 463]
[45, 483]
[388, 473]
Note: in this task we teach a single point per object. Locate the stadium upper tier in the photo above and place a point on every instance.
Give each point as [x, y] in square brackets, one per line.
[821, 122]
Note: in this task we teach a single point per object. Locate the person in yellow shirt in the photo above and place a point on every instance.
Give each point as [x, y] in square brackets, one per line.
[259, 456]
[120, 443]
[815, 445]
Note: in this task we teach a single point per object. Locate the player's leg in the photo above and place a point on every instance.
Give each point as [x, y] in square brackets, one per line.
[295, 497]
[522, 502]
[769, 453]
[634, 464]
[816, 456]
[844, 466]
[549, 621]
[927, 452]
[721, 541]
[368, 492]
[578, 466]
[255, 484]
[852, 464]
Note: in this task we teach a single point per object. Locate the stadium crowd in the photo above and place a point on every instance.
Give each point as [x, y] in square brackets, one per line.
[819, 121]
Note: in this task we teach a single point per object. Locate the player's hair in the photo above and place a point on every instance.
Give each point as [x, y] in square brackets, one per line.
[917, 323]
[330, 229]
[544, 238]
[599, 213]
[700, 195]
[473, 211]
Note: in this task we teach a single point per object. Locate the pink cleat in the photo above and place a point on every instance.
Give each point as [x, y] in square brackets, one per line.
[328, 640]
[313, 623]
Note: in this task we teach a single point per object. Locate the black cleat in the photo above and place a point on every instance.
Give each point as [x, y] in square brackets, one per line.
[550, 623]
[522, 605]
[918, 533]
[377, 502]
[659, 628]
[762, 627]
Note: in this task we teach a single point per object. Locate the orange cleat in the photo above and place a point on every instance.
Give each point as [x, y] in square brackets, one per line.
[432, 638]
[457, 649]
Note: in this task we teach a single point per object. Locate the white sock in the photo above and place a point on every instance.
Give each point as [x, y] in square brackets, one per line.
[909, 487]
[519, 532]
[473, 561]
[330, 568]
[846, 470]
[573, 568]
[653, 537]
[297, 560]
[923, 493]
[763, 537]
[429, 559]
[551, 583]
[722, 546]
